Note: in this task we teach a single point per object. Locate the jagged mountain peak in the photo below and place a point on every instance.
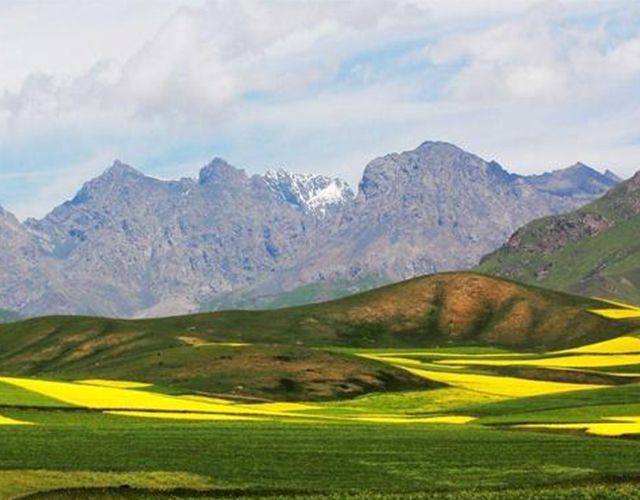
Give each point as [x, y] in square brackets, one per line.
[613, 176]
[115, 178]
[439, 146]
[119, 169]
[219, 171]
[579, 177]
[429, 163]
[7, 216]
[313, 193]
[579, 167]
[130, 244]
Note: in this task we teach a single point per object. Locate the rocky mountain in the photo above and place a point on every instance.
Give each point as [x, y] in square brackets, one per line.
[578, 180]
[592, 251]
[316, 194]
[435, 208]
[131, 245]
[128, 244]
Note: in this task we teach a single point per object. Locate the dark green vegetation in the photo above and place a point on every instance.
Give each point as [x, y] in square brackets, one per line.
[271, 458]
[189, 352]
[607, 491]
[593, 251]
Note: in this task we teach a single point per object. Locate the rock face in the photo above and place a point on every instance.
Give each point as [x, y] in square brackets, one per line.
[591, 251]
[315, 194]
[439, 208]
[130, 245]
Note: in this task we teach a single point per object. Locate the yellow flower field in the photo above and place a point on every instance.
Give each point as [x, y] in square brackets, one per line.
[619, 345]
[622, 311]
[180, 416]
[576, 361]
[618, 426]
[448, 419]
[110, 398]
[504, 386]
[12, 421]
[118, 384]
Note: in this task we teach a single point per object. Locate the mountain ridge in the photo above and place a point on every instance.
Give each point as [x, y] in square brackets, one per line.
[131, 245]
[592, 250]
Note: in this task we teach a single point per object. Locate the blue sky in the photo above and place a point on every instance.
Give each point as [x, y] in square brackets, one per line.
[317, 86]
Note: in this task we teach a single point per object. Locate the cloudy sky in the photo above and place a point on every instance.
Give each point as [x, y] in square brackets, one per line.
[312, 86]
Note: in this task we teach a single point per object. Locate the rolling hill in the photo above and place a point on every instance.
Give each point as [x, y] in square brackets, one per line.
[592, 251]
[287, 357]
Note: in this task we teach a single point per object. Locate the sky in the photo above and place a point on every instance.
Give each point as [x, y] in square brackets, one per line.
[319, 86]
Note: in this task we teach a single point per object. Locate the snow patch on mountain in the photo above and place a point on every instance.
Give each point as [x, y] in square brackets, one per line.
[308, 192]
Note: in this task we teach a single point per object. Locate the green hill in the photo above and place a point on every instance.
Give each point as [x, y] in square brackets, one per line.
[593, 251]
[285, 358]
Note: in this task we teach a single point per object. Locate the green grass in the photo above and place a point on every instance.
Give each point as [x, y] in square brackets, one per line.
[327, 449]
[607, 491]
[263, 457]
[607, 264]
[444, 400]
[615, 395]
[10, 395]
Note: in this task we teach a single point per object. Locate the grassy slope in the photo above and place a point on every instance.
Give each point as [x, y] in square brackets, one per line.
[607, 264]
[440, 310]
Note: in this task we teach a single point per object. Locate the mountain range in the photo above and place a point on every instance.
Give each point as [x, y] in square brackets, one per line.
[129, 245]
[594, 250]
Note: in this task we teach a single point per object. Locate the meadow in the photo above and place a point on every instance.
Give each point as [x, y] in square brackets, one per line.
[452, 420]
[481, 435]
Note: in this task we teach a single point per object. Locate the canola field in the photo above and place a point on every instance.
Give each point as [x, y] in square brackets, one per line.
[502, 424]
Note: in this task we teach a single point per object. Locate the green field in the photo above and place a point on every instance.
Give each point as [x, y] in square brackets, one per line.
[79, 439]
[196, 407]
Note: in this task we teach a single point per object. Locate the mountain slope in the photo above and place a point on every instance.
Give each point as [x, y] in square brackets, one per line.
[592, 251]
[576, 180]
[128, 245]
[317, 194]
[432, 209]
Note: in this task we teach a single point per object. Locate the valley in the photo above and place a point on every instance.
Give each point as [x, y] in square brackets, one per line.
[319, 250]
[190, 407]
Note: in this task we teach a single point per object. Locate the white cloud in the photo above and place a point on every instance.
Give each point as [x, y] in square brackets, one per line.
[318, 85]
[204, 59]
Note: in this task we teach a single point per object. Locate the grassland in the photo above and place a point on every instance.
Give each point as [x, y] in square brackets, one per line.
[182, 408]
[480, 436]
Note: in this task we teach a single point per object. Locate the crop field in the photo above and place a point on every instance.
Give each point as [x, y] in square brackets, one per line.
[454, 420]
[481, 434]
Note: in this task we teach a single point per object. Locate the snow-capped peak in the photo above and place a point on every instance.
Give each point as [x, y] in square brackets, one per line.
[312, 193]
